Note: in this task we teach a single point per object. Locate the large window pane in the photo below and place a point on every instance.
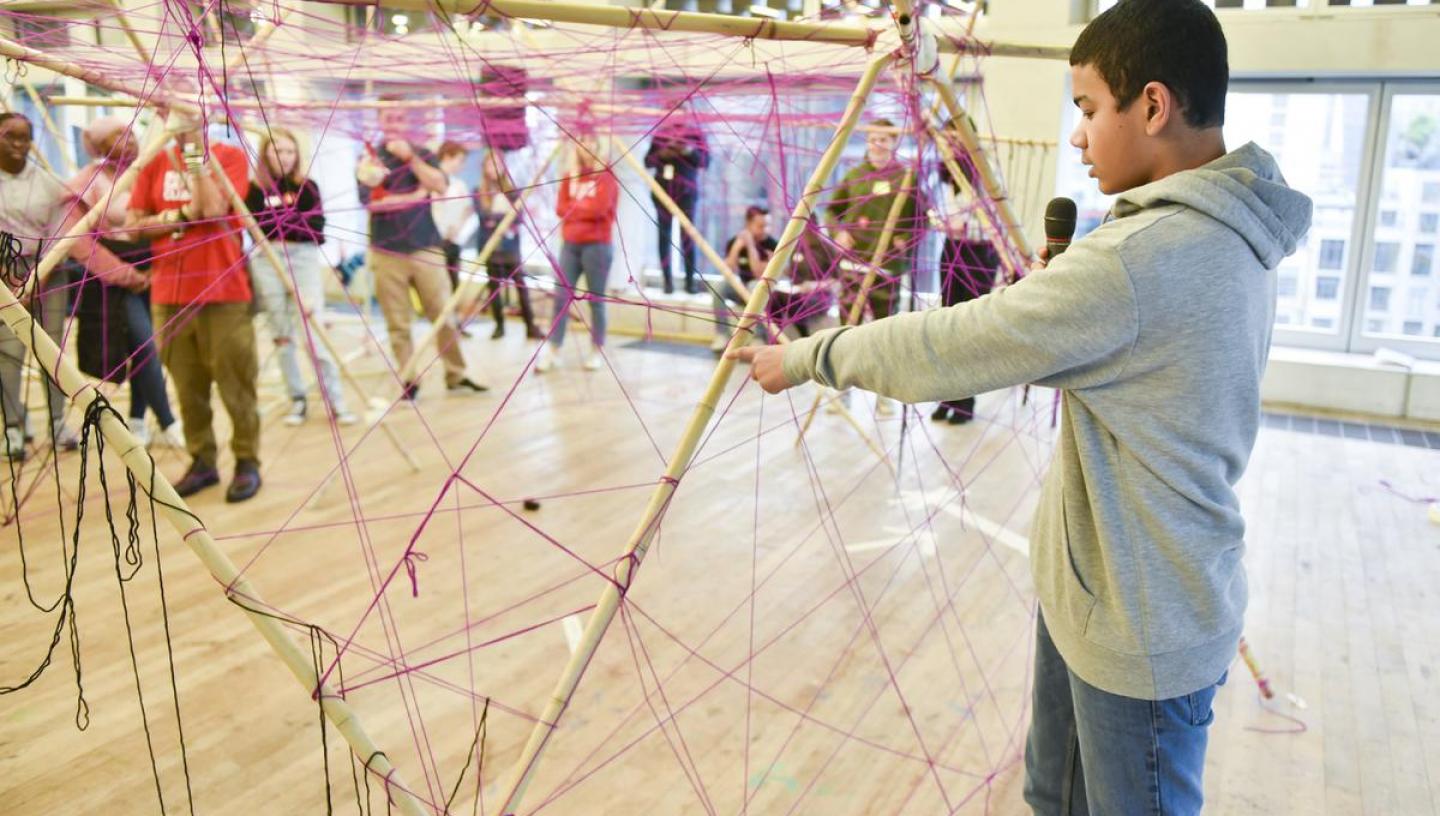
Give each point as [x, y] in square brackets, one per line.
[1319, 141]
[1404, 253]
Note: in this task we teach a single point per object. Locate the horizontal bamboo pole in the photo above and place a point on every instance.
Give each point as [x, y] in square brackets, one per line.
[751, 28]
[639, 542]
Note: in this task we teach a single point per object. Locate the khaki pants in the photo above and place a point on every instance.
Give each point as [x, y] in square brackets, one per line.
[425, 271]
[214, 344]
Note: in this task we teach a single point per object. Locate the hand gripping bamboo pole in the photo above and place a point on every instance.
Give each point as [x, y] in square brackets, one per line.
[410, 369]
[239, 208]
[639, 542]
[193, 532]
[715, 258]
[882, 245]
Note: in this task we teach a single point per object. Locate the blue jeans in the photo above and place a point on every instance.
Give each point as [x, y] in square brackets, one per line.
[147, 382]
[592, 261]
[1090, 751]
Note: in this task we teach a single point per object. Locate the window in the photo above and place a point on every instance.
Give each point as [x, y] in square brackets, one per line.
[1389, 218]
[1429, 223]
[1386, 254]
[1430, 190]
[1322, 322]
[1412, 328]
[1286, 286]
[1327, 288]
[1379, 298]
[1421, 261]
[1374, 326]
[1332, 254]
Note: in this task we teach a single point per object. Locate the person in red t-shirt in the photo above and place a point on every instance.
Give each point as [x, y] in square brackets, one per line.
[586, 206]
[201, 298]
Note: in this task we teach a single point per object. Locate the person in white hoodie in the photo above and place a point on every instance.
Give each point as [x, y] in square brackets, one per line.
[1155, 328]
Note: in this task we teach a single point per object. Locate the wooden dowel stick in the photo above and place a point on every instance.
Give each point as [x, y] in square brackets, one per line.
[639, 542]
[50, 127]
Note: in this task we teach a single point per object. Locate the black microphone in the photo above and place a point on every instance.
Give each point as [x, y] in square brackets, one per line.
[1059, 225]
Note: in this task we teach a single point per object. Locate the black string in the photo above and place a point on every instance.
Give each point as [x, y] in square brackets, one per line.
[480, 735]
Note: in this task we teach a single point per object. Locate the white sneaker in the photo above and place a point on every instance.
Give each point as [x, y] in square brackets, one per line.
[14, 444]
[345, 417]
[170, 437]
[720, 343]
[593, 361]
[549, 359]
[296, 415]
[140, 429]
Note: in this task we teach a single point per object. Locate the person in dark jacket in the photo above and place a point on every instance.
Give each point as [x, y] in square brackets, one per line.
[678, 152]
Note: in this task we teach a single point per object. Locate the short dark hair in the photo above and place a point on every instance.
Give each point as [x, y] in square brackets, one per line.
[751, 212]
[448, 149]
[6, 116]
[1178, 43]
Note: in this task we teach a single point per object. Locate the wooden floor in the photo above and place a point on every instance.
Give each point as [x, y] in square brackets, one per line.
[810, 635]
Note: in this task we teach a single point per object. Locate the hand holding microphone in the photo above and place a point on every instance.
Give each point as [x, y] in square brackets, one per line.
[1059, 229]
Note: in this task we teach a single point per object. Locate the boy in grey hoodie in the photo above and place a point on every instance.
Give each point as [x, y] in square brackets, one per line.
[1156, 328]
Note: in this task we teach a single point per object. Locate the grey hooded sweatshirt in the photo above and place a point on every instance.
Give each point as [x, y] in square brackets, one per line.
[1155, 327]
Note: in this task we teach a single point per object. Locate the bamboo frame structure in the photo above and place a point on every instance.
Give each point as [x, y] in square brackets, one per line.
[971, 141]
[639, 543]
[751, 28]
[995, 232]
[447, 312]
[187, 524]
[872, 271]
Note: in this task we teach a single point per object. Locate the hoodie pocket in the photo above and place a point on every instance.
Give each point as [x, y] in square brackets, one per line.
[1076, 597]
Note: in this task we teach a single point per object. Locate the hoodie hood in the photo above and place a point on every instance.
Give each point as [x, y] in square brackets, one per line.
[1243, 190]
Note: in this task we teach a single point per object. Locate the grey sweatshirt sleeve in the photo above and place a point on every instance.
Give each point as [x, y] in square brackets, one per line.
[1071, 325]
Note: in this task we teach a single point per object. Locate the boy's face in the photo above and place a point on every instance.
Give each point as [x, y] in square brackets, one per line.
[1113, 142]
[879, 148]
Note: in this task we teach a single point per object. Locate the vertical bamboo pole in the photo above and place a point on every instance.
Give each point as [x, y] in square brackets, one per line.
[993, 230]
[412, 366]
[887, 234]
[639, 542]
[239, 208]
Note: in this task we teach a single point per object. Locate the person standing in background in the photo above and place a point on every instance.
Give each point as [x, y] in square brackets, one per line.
[678, 152]
[288, 208]
[112, 149]
[453, 212]
[587, 205]
[397, 180]
[495, 198]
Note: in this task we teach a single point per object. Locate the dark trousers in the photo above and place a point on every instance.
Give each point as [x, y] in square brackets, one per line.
[685, 200]
[147, 382]
[967, 271]
[501, 269]
[452, 264]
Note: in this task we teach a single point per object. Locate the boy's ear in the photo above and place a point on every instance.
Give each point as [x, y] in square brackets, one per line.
[1159, 107]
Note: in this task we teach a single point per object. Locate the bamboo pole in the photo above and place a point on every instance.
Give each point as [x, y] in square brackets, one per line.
[239, 208]
[751, 28]
[410, 368]
[715, 258]
[996, 234]
[971, 141]
[639, 542]
[195, 535]
[49, 122]
[887, 234]
[130, 34]
[137, 460]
